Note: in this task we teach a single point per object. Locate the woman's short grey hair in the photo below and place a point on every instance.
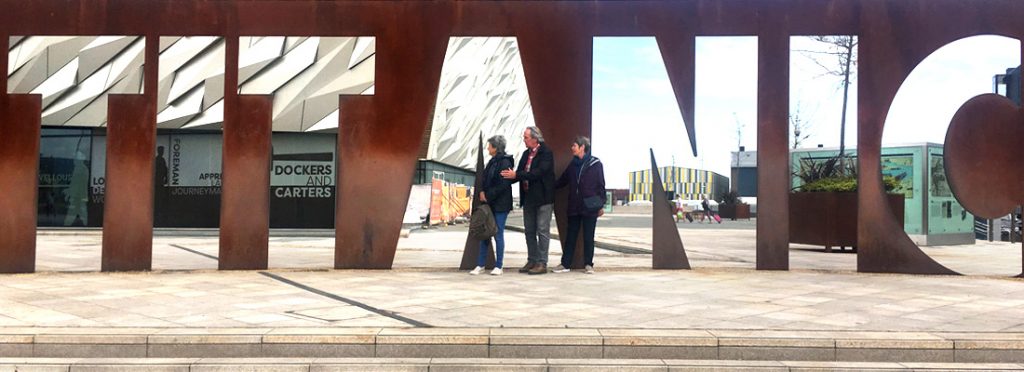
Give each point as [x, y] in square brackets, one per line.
[497, 142]
[584, 142]
[535, 133]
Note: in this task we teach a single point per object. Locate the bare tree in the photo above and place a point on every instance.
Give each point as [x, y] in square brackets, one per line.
[839, 60]
[801, 128]
[739, 130]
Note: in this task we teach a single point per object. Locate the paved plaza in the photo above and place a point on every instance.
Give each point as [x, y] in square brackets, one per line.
[822, 291]
[821, 310]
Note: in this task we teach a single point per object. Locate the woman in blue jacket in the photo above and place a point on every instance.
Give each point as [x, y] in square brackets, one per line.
[585, 178]
[496, 191]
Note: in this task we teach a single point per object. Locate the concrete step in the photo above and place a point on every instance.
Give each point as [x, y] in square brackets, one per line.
[466, 364]
[516, 343]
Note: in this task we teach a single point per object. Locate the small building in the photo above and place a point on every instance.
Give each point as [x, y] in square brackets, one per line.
[691, 184]
[744, 173]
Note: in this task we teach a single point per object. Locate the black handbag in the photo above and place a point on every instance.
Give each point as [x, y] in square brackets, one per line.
[593, 203]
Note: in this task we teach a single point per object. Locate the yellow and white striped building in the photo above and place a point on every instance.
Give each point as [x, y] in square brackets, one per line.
[692, 184]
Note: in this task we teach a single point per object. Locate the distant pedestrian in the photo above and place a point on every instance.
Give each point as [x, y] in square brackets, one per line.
[536, 177]
[680, 208]
[496, 191]
[585, 178]
[707, 211]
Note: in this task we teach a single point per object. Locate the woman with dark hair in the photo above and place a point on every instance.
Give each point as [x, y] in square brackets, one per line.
[585, 178]
[496, 191]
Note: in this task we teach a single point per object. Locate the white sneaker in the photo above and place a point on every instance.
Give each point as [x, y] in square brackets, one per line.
[560, 269]
[589, 269]
[477, 270]
[496, 271]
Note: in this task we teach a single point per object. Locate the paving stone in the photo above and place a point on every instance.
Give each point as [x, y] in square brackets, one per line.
[35, 368]
[725, 365]
[623, 368]
[894, 343]
[776, 353]
[989, 344]
[319, 339]
[661, 352]
[88, 350]
[130, 368]
[248, 368]
[205, 350]
[205, 339]
[568, 365]
[16, 339]
[778, 342]
[429, 336]
[843, 366]
[355, 367]
[657, 337]
[319, 350]
[935, 367]
[988, 355]
[546, 351]
[90, 339]
[431, 351]
[370, 364]
[15, 350]
[902, 355]
[487, 365]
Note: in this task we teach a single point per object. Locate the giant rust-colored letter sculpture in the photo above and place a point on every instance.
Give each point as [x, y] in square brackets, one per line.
[557, 63]
[131, 146]
[128, 208]
[379, 136]
[245, 195]
[894, 40]
[773, 147]
[667, 250]
[377, 152]
[19, 176]
[982, 156]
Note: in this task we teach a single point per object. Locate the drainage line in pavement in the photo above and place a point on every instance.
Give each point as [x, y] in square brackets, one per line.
[212, 257]
[389, 314]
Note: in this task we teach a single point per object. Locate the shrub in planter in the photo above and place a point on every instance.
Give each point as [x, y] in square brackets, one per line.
[823, 210]
[731, 206]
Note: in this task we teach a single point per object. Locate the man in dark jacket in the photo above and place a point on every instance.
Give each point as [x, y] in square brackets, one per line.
[536, 177]
[585, 178]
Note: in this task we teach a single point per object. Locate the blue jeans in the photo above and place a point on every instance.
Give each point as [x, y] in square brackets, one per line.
[499, 239]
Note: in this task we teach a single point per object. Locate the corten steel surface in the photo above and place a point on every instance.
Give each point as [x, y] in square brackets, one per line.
[773, 180]
[128, 207]
[666, 247]
[19, 177]
[894, 38]
[131, 141]
[679, 51]
[472, 249]
[356, 240]
[379, 137]
[982, 155]
[245, 192]
[558, 63]
[245, 195]
[555, 39]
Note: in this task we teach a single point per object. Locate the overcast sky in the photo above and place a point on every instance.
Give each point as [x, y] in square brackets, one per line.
[635, 109]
